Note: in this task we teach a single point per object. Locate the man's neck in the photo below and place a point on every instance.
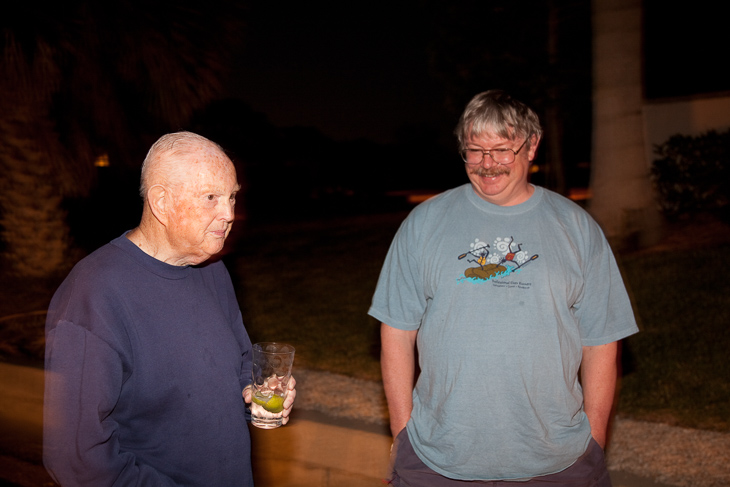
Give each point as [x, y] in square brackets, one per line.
[144, 237]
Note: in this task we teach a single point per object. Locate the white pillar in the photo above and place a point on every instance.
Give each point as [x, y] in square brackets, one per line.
[622, 200]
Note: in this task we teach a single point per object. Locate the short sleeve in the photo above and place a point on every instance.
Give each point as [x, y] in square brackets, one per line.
[604, 309]
[399, 299]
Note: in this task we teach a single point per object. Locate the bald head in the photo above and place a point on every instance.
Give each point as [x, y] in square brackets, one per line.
[189, 188]
[168, 159]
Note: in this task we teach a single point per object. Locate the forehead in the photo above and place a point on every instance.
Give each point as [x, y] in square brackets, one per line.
[209, 168]
[489, 139]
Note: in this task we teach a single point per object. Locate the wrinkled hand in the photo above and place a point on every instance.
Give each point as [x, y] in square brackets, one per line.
[288, 402]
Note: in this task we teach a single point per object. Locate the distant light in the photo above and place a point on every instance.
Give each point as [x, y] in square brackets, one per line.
[102, 161]
[419, 198]
[413, 196]
[580, 194]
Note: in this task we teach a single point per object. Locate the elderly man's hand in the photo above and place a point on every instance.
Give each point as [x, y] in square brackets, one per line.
[288, 402]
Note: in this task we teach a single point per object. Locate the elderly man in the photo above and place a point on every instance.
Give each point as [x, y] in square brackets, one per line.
[510, 298]
[147, 357]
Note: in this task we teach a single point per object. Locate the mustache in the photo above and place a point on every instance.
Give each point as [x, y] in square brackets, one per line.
[489, 173]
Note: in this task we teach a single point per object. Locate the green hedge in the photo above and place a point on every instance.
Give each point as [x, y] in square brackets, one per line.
[691, 174]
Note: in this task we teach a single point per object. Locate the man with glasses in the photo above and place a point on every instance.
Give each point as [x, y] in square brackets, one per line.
[501, 307]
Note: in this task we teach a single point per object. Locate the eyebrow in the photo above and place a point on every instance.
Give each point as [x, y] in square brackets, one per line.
[218, 187]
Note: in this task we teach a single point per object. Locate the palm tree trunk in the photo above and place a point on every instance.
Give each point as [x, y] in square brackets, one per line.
[32, 220]
[622, 201]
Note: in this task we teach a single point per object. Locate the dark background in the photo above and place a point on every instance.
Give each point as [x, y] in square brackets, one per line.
[330, 107]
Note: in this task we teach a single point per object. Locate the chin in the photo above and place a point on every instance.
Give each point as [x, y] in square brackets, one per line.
[212, 251]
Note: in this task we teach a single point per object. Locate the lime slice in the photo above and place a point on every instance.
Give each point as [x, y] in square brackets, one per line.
[273, 404]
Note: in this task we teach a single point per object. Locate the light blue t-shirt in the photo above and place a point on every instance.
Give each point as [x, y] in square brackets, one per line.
[504, 299]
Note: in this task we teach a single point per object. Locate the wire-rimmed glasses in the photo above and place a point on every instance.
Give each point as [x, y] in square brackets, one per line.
[501, 156]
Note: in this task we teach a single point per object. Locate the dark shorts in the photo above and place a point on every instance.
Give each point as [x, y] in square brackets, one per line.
[408, 470]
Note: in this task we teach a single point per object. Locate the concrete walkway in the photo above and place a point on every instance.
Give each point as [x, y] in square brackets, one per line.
[308, 452]
[313, 450]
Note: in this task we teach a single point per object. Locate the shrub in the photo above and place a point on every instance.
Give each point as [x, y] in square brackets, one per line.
[690, 176]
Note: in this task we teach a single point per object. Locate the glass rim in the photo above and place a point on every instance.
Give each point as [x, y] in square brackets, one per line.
[488, 152]
[280, 347]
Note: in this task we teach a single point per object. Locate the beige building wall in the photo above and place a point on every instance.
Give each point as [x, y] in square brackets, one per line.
[687, 116]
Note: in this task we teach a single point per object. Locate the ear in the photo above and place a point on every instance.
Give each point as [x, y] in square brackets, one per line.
[534, 142]
[159, 200]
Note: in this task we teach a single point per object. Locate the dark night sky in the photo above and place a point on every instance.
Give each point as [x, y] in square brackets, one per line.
[684, 45]
[361, 70]
[349, 72]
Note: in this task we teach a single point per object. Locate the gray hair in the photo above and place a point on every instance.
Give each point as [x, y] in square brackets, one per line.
[166, 151]
[496, 112]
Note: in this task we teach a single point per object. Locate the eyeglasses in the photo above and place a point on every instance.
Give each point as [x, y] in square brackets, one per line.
[500, 156]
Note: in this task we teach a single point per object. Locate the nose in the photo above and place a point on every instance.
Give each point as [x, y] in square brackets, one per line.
[228, 212]
[487, 161]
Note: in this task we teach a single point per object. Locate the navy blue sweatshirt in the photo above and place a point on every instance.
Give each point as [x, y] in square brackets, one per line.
[145, 364]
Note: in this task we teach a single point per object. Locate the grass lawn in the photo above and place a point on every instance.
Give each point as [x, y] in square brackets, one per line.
[677, 368]
[310, 284]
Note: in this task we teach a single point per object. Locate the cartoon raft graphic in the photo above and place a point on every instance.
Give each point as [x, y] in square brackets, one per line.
[496, 265]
